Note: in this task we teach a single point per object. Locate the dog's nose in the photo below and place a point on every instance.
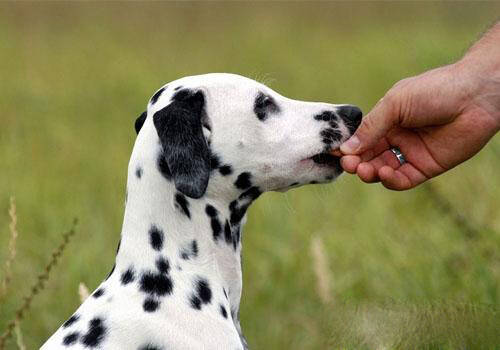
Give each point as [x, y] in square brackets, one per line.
[351, 115]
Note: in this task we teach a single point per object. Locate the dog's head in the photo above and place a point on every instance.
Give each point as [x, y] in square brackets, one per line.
[229, 133]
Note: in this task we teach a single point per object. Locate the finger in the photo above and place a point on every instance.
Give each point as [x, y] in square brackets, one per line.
[367, 173]
[394, 179]
[415, 151]
[387, 158]
[403, 178]
[374, 126]
[350, 163]
[376, 151]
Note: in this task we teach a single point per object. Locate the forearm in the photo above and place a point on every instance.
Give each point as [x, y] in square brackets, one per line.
[480, 67]
[485, 53]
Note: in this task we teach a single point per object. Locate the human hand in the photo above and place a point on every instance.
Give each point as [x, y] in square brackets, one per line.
[438, 120]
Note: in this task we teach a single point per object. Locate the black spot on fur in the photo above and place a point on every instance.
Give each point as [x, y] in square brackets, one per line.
[233, 205]
[223, 311]
[150, 305]
[214, 161]
[156, 237]
[263, 105]
[190, 252]
[98, 293]
[128, 276]
[149, 347]
[227, 232]
[181, 200]
[331, 135]
[211, 211]
[237, 211]
[216, 228]
[71, 320]
[71, 338]
[252, 193]
[162, 265]
[138, 172]
[243, 181]
[224, 291]
[226, 170]
[195, 302]
[202, 294]
[238, 208]
[203, 290]
[178, 88]
[214, 221]
[157, 95]
[325, 116]
[95, 334]
[194, 248]
[236, 236]
[156, 283]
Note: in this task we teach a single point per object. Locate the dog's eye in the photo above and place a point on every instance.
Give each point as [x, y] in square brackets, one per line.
[264, 104]
[268, 101]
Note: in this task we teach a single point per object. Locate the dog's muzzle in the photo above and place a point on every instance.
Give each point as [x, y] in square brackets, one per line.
[326, 159]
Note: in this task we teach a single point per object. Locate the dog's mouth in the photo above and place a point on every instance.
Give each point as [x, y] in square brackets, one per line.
[326, 159]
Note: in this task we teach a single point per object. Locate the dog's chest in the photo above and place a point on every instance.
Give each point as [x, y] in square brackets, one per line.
[118, 316]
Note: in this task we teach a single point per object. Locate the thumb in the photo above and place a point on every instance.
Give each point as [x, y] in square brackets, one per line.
[374, 126]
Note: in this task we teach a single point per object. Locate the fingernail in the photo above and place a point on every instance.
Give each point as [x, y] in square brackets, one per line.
[350, 145]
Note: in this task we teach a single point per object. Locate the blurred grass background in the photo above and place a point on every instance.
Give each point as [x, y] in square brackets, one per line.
[401, 272]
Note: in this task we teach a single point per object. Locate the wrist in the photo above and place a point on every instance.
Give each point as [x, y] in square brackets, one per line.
[479, 82]
[480, 67]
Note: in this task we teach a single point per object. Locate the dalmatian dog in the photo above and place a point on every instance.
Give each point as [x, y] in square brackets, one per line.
[207, 147]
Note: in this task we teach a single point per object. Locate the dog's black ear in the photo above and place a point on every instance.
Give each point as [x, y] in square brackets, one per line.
[140, 121]
[185, 150]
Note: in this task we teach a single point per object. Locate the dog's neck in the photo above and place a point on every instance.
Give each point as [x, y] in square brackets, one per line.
[198, 237]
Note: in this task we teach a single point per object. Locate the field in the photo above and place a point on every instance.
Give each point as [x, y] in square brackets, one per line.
[339, 266]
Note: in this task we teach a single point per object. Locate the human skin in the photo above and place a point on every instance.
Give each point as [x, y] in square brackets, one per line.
[437, 119]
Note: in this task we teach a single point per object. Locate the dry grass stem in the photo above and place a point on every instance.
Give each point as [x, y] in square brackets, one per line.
[12, 247]
[19, 337]
[38, 286]
[83, 292]
[321, 270]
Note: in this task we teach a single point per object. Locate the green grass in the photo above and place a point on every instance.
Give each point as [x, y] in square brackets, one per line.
[404, 274]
